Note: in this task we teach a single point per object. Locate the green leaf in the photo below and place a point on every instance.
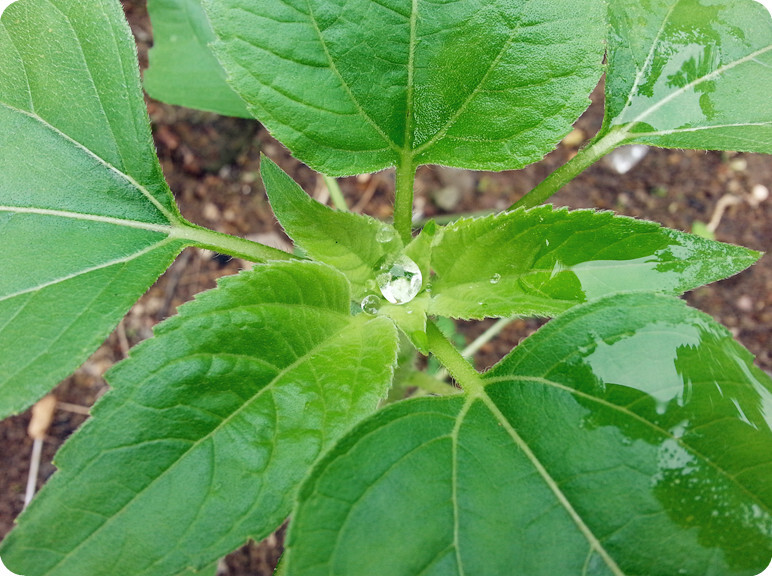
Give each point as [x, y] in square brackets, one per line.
[485, 85]
[210, 427]
[691, 74]
[86, 219]
[183, 70]
[629, 436]
[543, 261]
[355, 244]
[409, 317]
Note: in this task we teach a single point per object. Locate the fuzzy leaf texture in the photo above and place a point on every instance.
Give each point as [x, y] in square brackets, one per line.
[629, 436]
[81, 194]
[355, 244]
[182, 69]
[209, 429]
[542, 261]
[472, 83]
[691, 74]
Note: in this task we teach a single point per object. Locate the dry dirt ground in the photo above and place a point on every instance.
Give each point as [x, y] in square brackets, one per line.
[211, 164]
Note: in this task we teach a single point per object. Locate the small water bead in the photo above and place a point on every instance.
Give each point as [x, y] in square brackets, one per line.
[371, 303]
[385, 234]
[400, 281]
[495, 278]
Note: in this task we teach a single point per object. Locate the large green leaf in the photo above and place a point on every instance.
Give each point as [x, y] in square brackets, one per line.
[183, 70]
[209, 429]
[358, 86]
[86, 219]
[355, 244]
[631, 436]
[543, 261]
[691, 74]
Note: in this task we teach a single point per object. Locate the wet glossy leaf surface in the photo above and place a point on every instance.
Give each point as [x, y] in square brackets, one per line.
[691, 73]
[81, 194]
[629, 436]
[543, 261]
[183, 70]
[356, 244]
[485, 85]
[210, 427]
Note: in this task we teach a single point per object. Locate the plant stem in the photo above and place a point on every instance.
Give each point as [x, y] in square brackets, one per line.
[227, 244]
[336, 195]
[587, 156]
[403, 199]
[458, 366]
[478, 343]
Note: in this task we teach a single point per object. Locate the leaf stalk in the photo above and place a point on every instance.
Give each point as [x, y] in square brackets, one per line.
[458, 366]
[226, 244]
[597, 148]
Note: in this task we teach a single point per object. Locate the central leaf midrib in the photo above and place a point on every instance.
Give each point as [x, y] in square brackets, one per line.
[678, 93]
[409, 120]
[168, 216]
[334, 69]
[268, 387]
[126, 222]
[563, 500]
[649, 59]
[461, 109]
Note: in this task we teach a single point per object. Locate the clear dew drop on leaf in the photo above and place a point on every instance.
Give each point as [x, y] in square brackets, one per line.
[371, 303]
[400, 281]
[385, 234]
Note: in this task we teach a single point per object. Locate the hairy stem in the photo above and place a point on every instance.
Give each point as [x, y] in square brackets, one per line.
[458, 366]
[403, 200]
[584, 159]
[227, 244]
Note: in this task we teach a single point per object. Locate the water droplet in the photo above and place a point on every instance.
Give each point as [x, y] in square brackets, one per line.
[400, 281]
[495, 278]
[371, 303]
[385, 234]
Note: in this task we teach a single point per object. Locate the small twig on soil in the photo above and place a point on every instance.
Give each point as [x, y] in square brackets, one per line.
[723, 203]
[758, 194]
[123, 341]
[174, 277]
[74, 408]
[42, 415]
[364, 200]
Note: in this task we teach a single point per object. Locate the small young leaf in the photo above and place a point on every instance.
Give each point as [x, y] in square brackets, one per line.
[86, 219]
[355, 244]
[420, 250]
[691, 74]
[210, 427]
[629, 436]
[410, 318]
[543, 261]
[485, 85]
[183, 70]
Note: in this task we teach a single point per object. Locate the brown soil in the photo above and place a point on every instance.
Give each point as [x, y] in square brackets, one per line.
[211, 163]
